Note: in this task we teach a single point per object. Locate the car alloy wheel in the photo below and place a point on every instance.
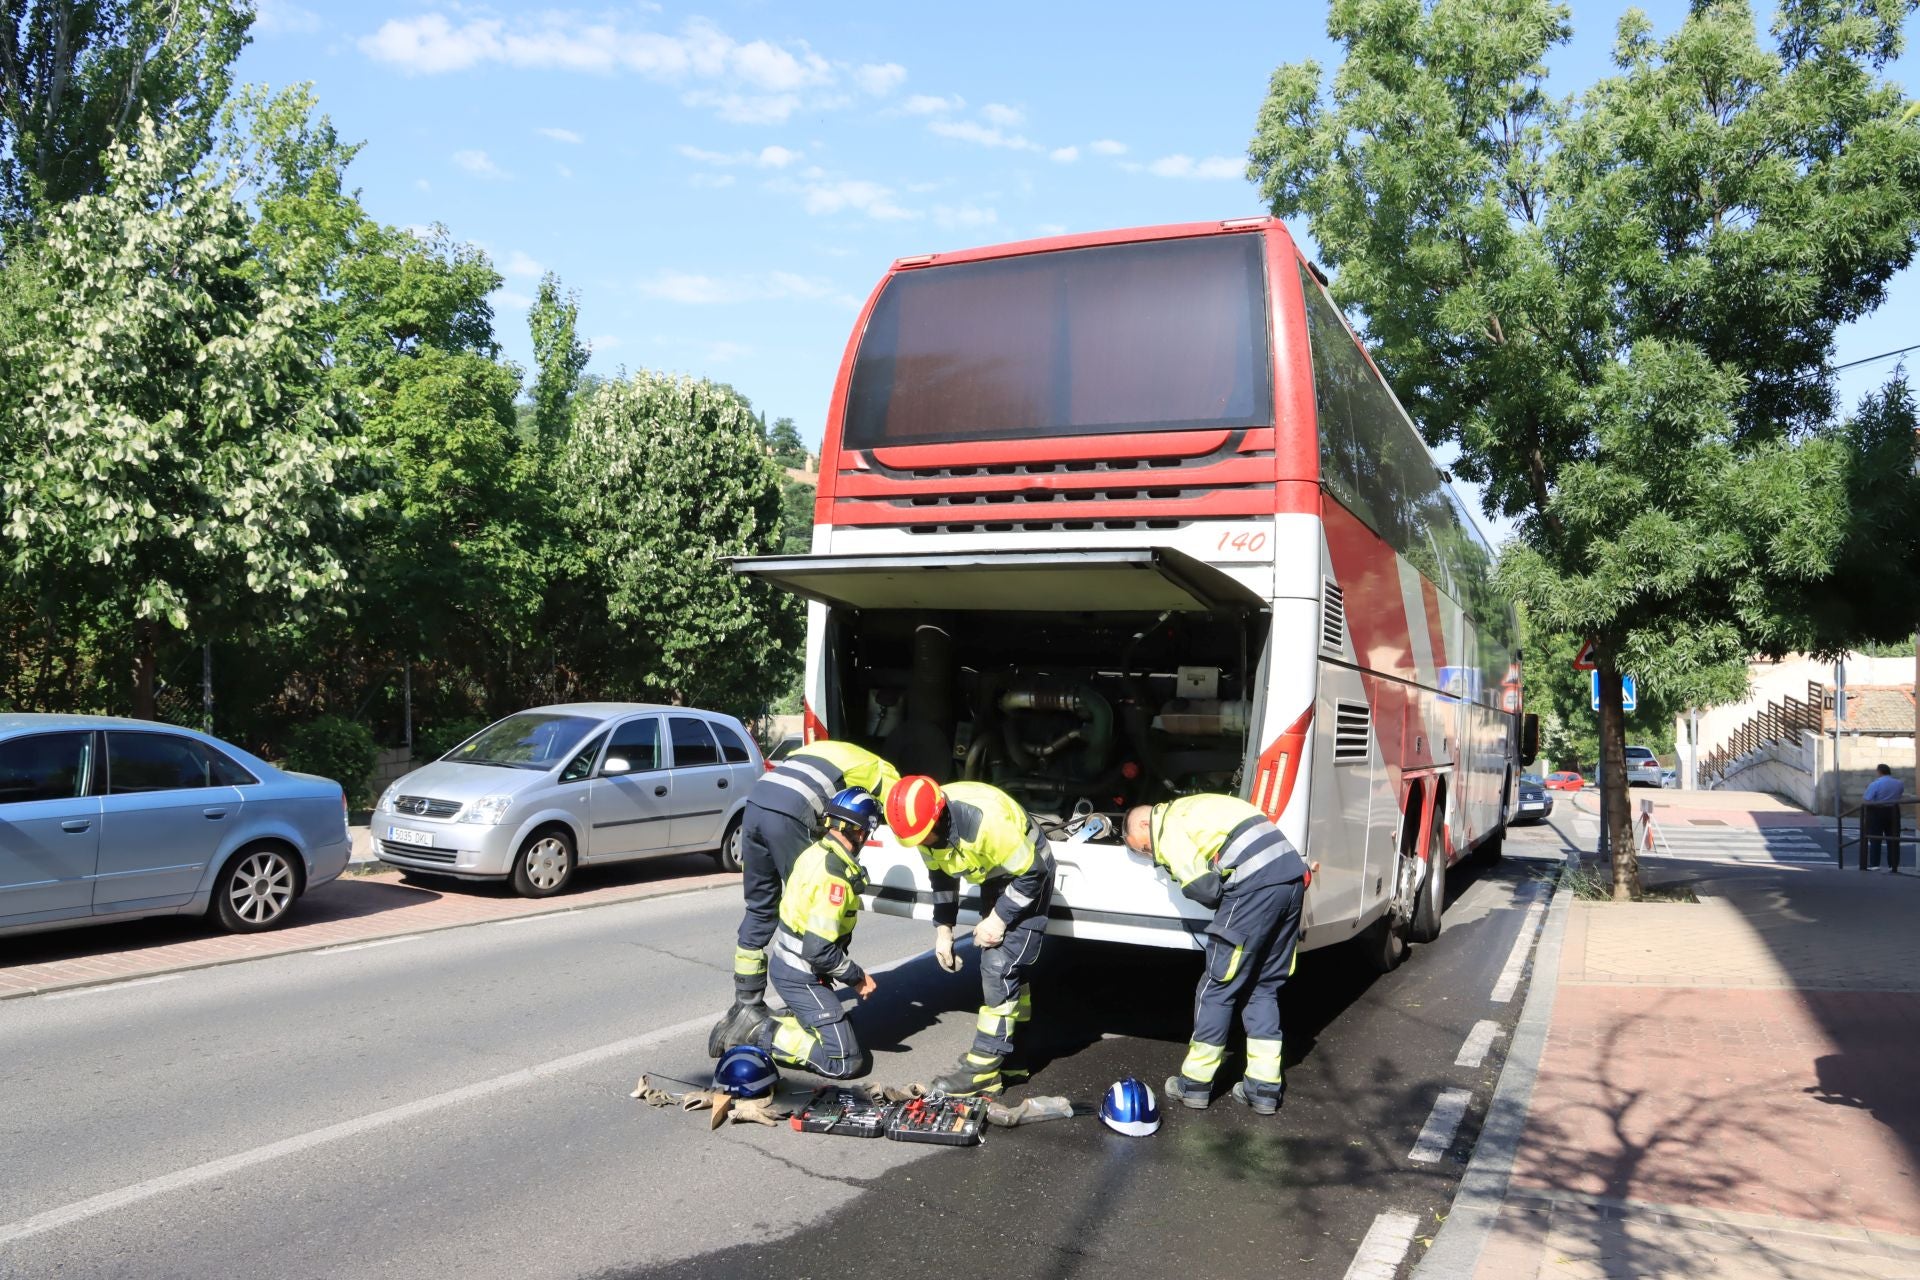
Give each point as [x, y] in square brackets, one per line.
[259, 890]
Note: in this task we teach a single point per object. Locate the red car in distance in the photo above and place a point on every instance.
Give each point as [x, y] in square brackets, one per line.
[1566, 780]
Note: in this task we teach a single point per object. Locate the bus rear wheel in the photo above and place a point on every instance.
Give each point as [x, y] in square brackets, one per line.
[1383, 944]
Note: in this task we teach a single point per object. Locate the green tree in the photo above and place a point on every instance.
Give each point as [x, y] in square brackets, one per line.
[783, 438]
[76, 74]
[178, 462]
[665, 476]
[558, 357]
[1621, 308]
[796, 517]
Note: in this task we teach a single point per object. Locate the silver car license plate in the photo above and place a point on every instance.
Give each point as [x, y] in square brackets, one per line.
[401, 835]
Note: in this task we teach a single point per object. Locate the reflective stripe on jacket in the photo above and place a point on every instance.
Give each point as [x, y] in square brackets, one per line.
[1209, 842]
[991, 836]
[801, 785]
[817, 911]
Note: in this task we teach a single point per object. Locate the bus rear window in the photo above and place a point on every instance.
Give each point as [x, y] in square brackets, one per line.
[1167, 335]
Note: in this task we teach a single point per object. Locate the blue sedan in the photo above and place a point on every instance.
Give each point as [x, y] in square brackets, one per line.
[107, 819]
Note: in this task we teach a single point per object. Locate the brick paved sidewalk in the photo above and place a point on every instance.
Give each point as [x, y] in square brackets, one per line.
[351, 909]
[1729, 1089]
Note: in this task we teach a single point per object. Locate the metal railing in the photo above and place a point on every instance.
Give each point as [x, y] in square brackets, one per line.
[1899, 837]
[1778, 721]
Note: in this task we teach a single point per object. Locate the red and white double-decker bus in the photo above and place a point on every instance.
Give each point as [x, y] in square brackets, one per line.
[1111, 518]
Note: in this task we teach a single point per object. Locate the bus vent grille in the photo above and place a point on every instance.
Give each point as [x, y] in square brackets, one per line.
[1352, 732]
[1044, 526]
[1333, 618]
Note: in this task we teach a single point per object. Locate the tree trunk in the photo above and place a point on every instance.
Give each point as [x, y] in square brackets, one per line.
[1613, 777]
[146, 657]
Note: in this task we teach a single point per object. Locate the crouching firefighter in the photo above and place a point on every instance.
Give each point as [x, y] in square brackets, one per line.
[974, 831]
[780, 818]
[810, 948]
[1226, 855]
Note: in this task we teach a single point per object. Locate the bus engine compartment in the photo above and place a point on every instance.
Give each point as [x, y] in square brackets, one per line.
[1071, 714]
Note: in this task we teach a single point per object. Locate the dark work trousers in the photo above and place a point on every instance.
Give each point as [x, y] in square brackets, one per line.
[1005, 1001]
[1880, 825]
[1250, 953]
[770, 842]
[814, 1034]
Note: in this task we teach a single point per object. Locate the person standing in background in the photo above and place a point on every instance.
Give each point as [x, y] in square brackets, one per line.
[1880, 821]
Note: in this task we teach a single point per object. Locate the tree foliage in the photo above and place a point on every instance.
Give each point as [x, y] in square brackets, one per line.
[1620, 307]
[75, 76]
[559, 357]
[664, 477]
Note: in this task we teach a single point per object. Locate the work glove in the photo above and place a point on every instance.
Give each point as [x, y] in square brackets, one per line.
[990, 932]
[943, 948]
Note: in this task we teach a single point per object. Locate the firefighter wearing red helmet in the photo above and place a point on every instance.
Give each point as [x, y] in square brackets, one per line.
[980, 833]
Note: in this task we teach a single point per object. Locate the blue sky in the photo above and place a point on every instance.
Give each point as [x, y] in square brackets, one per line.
[724, 184]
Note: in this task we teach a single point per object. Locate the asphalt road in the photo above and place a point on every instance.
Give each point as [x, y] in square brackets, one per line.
[455, 1104]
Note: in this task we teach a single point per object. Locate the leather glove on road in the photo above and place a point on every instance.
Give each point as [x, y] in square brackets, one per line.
[943, 953]
[990, 932]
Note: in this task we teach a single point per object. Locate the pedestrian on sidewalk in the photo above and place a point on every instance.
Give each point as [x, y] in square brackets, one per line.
[1880, 820]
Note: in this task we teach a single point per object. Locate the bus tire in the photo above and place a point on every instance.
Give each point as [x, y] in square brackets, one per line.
[1431, 901]
[1383, 944]
[1493, 848]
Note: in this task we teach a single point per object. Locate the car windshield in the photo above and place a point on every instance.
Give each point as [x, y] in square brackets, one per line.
[531, 740]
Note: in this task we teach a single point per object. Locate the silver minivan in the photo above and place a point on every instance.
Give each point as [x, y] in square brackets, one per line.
[543, 791]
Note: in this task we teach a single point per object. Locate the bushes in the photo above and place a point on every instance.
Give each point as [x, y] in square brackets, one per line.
[334, 747]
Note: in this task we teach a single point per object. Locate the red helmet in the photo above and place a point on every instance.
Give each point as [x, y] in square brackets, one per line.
[914, 805]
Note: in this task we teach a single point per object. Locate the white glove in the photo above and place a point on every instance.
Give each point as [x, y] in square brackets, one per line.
[990, 932]
[943, 948]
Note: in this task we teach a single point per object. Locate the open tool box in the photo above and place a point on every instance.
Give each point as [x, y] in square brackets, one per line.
[852, 1113]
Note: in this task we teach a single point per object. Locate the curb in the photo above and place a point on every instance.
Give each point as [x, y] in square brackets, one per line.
[1462, 1238]
[304, 948]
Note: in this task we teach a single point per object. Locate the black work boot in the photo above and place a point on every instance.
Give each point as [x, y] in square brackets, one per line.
[1262, 1104]
[976, 1076]
[737, 1026]
[1190, 1093]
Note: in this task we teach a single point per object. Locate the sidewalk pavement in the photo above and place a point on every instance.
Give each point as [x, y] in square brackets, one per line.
[1727, 1090]
[354, 908]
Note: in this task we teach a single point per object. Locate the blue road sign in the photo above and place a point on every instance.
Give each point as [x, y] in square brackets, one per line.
[1629, 695]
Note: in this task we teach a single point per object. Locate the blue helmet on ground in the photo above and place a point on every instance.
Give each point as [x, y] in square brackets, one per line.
[746, 1071]
[856, 809]
[1130, 1108]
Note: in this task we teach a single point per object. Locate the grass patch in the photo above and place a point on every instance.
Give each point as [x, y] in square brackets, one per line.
[1593, 882]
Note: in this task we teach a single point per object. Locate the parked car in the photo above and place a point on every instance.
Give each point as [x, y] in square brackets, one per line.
[107, 819]
[1670, 778]
[534, 796]
[1564, 780]
[1532, 803]
[786, 747]
[1643, 767]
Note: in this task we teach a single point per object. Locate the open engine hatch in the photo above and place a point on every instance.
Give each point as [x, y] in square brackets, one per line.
[1145, 579]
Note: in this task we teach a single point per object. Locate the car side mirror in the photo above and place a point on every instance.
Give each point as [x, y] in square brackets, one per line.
[1529, 738]
[614, 765]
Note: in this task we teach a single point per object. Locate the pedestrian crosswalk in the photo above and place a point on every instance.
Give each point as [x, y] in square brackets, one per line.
[1721, 843]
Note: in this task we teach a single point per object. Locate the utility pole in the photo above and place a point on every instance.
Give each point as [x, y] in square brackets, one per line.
[1839, 714]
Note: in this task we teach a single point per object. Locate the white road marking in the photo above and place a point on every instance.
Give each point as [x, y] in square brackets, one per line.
[1509, 980]
[362, 946]
[211, 1170]
[1385, 1245]
[112, 986]
[1479, 1040]
[1443, 1122]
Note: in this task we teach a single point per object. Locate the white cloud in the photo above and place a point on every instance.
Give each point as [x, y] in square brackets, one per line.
[1001, 114]
[711, 181]
[771, 157]
[519, 264]
[280, 18]
[880, 78]
[922, 104]
[1108, 147]
[561, 135]
[858, 196]
[423, 184]
[1064, 155]
[971, 131]
[508, 300]
[563, 171]
[1050, 229]
[693, 289]
[722, 352]
[956, 217]
[605, 342]
[748, 82]
[1211, 167]
[479, 163]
